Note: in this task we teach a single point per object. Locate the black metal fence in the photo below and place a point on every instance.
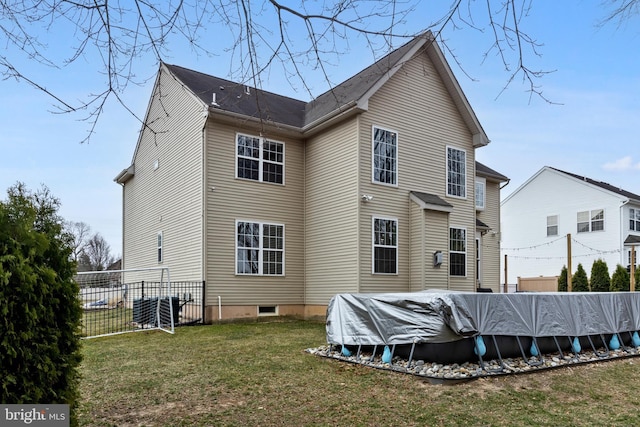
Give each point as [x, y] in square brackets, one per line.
[113, 307]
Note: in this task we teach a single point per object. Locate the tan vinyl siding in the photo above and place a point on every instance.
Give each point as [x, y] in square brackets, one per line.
[436, 239]
[331, 205]
[417, 247]
[167, 199]
[230, 199]
[490, 269]
[416, 90]
[429, 233]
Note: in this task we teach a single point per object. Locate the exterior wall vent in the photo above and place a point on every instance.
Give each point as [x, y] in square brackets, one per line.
[267, 310]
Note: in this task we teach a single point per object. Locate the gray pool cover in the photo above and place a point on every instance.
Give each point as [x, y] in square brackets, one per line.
[446, 316]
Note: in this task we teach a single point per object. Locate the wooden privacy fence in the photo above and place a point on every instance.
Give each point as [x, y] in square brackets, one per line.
[538, 284]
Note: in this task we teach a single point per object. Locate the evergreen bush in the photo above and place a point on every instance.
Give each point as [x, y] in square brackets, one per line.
[40, 313]
[620, 279]
[600, 280]
[579, 281]
[562, 280]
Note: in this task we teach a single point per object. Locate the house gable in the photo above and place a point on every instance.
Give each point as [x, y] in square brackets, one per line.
[552, 204]
[162, 188]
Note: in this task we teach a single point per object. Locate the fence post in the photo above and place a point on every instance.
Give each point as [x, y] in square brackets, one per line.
[569, 273]
[202, 302]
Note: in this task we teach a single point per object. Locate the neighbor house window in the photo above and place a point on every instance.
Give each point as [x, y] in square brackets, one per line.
[259, 248]
[456, 172]
[480, 193]
[552, 225]
[385, 245]
[457, 251]
[591, 221]
[259, 159]
[159, 241]
[634, 219]
[385, 156]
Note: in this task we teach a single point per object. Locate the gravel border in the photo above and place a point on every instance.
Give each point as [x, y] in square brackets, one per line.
[458, 372]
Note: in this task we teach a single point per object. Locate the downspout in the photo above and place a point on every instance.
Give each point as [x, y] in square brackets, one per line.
[305, 308]
[203, 254]
[122, 231]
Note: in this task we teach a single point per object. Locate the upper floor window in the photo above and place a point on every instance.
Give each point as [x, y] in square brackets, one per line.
[259, 248]
[634, 219]
[385, 156]
[385, 245]
[591, 221]
[259, 159]
[456, 172]
[480, 193]
[552, 225]
[457, 251]
[159, 246]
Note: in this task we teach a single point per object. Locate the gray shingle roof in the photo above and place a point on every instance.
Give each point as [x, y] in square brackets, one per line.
[601, 184]
[431, 199]
[233, 97]
[487, 172]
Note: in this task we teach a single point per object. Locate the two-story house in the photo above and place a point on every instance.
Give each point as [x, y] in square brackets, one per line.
[278, 203]
[603, 222]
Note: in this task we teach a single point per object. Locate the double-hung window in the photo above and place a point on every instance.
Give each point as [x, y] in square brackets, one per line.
[634, 219]
[456, 172]
[385, 245]
[552, 225]
[159, 246]
[481, 184]
[457, 251]
[259, 248]
[385, 156]
[591, 221]
[259, 159]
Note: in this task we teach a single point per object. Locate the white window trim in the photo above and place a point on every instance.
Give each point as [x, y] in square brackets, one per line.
[373, 168]
[160, 247]
[633, 218]
[591, 220]
[260, 158]
[373, 244]
[557, 225]
[466, 252]
[260, 249]
[446, 167]
[483, 182]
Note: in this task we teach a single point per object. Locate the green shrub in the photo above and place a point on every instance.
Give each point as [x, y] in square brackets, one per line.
[579, 281]
[562, 280]
[600, 280]
[40, 312]
[620, 279]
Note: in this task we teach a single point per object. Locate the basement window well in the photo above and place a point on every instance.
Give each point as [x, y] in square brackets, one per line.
[267, 310]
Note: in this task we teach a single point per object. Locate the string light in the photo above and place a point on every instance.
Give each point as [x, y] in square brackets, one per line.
[534, 246]
[591, 253]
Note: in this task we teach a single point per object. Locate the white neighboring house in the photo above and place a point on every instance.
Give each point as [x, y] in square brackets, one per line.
[603, 221]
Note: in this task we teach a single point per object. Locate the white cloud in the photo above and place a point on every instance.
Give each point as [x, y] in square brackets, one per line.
[622, 164]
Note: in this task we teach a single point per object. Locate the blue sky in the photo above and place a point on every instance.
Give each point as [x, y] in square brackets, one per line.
[591, 128]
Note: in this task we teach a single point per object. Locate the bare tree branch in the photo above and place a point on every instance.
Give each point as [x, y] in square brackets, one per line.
[265, 34]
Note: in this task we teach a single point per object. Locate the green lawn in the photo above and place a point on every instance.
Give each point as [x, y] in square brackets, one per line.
[257, 374]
